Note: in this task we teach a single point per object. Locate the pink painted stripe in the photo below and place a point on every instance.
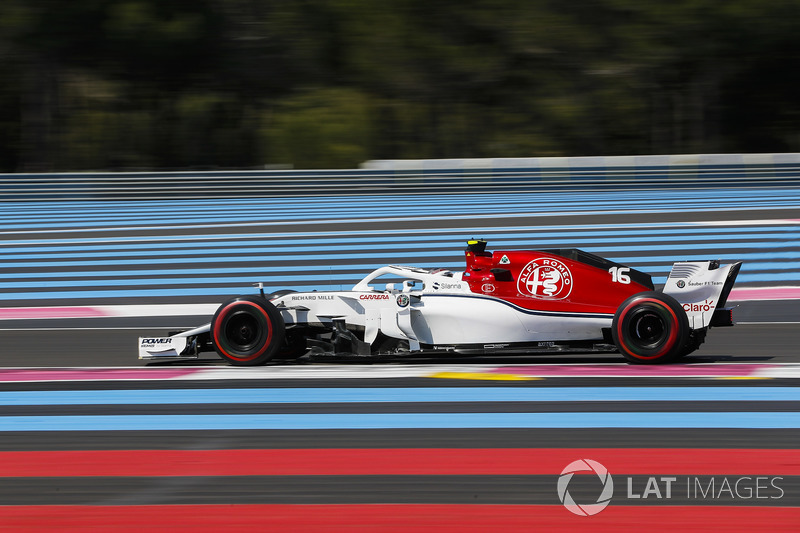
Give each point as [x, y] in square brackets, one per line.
[92, 374]
[715, 370]
[764, 293]
[50, 312]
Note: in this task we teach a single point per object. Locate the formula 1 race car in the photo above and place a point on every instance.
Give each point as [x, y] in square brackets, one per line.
[507, 302]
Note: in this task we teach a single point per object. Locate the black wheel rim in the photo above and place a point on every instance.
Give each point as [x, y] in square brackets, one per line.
[648, 328]
[242, 331]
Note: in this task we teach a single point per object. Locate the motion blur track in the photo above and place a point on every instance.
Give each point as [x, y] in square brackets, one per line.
[64, 263]
[390, 453]
[485, 457]
[176, 251]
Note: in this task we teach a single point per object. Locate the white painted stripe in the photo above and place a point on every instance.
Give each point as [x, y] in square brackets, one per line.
[355, 371]
[106, 311]
[101, 328]
[782, 371]
[159, 310]
[378, 371]
[325, 371]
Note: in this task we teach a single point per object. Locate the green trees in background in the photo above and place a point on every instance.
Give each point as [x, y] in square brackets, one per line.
[166, 84]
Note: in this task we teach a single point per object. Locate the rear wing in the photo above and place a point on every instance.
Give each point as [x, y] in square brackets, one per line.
[702, 289]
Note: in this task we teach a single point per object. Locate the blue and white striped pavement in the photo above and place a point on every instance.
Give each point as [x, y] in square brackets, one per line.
[188, 250]
[493, 413]
[398, 395]
[349, 421]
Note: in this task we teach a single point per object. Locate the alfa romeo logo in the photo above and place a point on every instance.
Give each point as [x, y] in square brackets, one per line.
[545, 278]
[585, 465]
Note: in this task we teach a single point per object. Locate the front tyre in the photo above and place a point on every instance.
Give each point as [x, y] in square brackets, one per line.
[650, 328]
[247, 331]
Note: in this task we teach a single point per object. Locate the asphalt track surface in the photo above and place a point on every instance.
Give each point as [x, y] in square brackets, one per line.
[478, 450]
[115, 347]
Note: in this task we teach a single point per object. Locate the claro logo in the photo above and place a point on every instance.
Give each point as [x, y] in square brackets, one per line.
[699, 307]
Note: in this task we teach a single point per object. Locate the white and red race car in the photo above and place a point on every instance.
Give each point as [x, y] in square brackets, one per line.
[509, 302]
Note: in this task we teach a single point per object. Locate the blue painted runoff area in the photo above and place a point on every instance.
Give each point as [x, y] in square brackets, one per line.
[279, 209]
[398, 394]
[705, 420]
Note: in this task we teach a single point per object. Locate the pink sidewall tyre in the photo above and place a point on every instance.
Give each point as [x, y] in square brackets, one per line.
[247, 331]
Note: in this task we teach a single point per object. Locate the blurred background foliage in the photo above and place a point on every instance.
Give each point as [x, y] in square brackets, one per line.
[168, 84]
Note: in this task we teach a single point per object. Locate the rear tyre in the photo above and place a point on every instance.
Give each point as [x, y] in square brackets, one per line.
[650, 328]
[247, 331]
